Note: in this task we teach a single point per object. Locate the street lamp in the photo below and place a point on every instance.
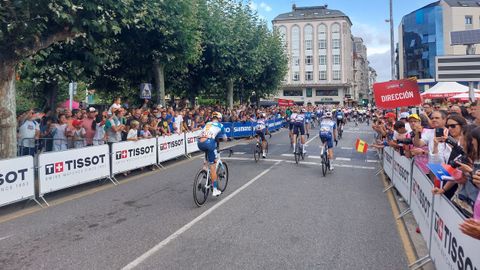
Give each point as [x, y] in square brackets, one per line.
[392, 45]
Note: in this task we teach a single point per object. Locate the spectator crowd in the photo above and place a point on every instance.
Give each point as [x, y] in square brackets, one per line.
[441, 133]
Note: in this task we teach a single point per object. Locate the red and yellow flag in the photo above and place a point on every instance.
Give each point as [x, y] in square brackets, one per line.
[361, 146]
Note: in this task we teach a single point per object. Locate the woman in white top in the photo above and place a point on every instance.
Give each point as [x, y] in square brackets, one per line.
[59, 134]
[133, 132]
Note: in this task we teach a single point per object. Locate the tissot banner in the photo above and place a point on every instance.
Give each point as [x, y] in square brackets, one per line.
[131, 155]
[171, 147]
[16, 179]
[191, 141]
[59, 170]
[393, 94]
[421, 202]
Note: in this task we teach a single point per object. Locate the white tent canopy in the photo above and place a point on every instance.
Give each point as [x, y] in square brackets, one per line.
[446, 90]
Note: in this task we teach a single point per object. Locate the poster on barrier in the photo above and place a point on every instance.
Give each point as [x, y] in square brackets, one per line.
[16, 180]
[450, 248]
[170, 147]
[191, 141]
[132, 155]
[228, 126]
[242, 129]
[388, 161]
[422, 202]
[59, 170]
[270, 125]
[278, 123]
[402, 178]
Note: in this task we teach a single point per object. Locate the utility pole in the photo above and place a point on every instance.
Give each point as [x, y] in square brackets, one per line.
[392, 45]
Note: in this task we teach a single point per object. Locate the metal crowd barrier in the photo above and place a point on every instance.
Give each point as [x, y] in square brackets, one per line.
[437, 218]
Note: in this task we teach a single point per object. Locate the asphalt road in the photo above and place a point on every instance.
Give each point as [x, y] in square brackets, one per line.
[274, 215]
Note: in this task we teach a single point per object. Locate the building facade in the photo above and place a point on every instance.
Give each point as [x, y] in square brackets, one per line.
[425, 33]
[360, 70]
[372, 79]
[319, 45]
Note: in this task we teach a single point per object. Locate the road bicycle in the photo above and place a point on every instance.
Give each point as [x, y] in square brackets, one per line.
[325, 159]
[298, 153]
[340, 131]
[257, 149]
[202, 184]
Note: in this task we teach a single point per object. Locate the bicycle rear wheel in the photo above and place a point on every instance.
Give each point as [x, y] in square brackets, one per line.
[222, 176]
[200, 190]
[257, 152]
[324, 165]
[296, 154]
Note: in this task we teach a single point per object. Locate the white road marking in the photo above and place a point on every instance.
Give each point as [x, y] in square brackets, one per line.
[347, 148]
[308, 156]
[185, 228]
[251, 159]
[343, 159]
[239, 153]
[335, 164]
[372, 161]
[312, 139]
[6, 237]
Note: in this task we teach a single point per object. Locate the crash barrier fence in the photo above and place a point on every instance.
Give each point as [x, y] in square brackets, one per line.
[437, 218]
[63, 169]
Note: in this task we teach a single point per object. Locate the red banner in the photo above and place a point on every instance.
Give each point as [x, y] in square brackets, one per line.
[393, 94]
[285, 102]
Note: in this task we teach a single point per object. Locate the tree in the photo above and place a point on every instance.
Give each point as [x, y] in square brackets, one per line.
[29, 26]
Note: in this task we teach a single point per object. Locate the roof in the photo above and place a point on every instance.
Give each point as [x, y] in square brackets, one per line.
[311, 13]
[463, 3]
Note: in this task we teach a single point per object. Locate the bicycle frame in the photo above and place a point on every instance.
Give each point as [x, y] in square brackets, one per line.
[219, 161]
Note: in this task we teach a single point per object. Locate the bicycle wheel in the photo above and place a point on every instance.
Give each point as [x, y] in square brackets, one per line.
[222, 176]
[266, 147]
[256, 152]
[296, 154]
[324, 166]
[301, 153]
[200, 190]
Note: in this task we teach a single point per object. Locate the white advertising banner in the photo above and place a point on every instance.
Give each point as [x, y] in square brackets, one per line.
[131, 155]
[402, 179]
[170, 147]
[450, 248]
[191, 141]
[388, 161]
[16, 180]
[59, 170]
[422, 202]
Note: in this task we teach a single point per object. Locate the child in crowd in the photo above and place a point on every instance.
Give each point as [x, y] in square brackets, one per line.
[78, 134]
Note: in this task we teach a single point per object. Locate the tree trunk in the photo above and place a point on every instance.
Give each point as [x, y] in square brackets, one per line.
[159, 73]
[50, 91]
[8, 121]
[230, 93]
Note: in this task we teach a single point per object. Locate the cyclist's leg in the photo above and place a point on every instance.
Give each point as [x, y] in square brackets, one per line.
[294, 137]
[330, 147]
[302, 137]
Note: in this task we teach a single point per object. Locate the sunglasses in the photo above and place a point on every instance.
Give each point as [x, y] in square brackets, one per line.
[452, 125]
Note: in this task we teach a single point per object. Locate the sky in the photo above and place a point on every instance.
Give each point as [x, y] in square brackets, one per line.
[368, 19]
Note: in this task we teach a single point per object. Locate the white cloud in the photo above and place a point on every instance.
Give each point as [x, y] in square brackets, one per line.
[262, 6]
[381, 63]
[265, 7]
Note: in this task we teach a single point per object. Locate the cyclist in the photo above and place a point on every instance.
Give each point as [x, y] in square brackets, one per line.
[299, 129]
[328, 133]
[261, 130]
[291, 123]
[355, 116]
[308, 120]
[340, 116]
[212, 131]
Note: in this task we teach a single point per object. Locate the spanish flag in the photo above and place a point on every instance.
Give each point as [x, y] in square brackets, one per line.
[361, 146]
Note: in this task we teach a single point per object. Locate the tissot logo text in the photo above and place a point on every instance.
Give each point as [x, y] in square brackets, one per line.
[12, 176]
[134, 152]
[169, 145]
[73, 164]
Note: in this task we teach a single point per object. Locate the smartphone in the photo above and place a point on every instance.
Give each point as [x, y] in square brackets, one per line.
[439, 132]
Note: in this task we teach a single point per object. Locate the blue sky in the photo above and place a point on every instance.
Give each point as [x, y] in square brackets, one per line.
[368, 18]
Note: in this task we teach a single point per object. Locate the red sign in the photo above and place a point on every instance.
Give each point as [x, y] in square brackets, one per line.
[393, 94]
[285, 102]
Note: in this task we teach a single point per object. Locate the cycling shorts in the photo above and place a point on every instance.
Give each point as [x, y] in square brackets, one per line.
[209, 146]
[290, 126]
[327, 137]
[261, 133]
[299, 128]
[339, 121]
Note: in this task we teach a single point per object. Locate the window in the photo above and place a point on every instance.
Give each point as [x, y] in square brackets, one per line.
[336, 44]
[308, 33]
[309, 92]
[468, 19]
[295, 60]
[295, 40]
[329, 93]
[309, 76]
[292, 93]
[323, 75]
[296, 76]
[309, 60]
[308, 45]
[282, 30]
[322, 60]
[336, 75]
[322, 36]
[322, 44]
[336, 59]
